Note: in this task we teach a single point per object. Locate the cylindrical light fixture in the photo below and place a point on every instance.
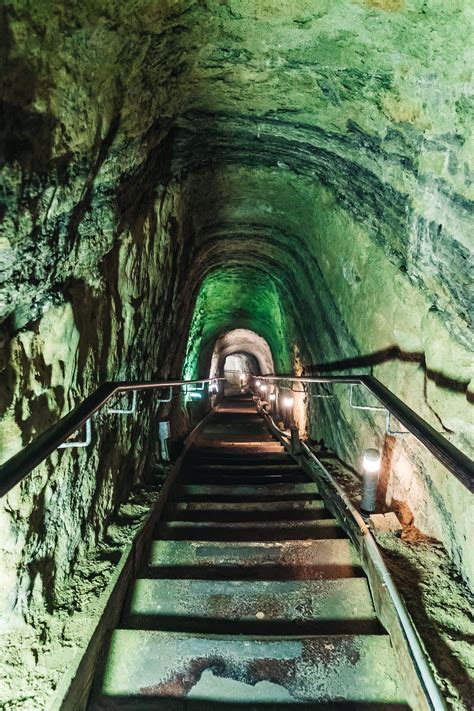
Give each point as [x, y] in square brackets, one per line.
[288, 411]
[272, 400]
[371, 461]
[263, 388]
[258, 382]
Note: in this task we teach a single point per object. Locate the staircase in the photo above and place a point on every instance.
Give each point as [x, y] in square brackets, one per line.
[252, 596]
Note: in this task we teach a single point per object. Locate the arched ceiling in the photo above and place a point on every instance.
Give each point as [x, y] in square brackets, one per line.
[317, 155]
[247, 299]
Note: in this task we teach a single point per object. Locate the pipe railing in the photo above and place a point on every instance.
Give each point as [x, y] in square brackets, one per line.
[362, 537]
[458, 463]
[56, 436]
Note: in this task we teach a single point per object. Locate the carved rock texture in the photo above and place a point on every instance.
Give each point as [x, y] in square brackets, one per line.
[298, 169]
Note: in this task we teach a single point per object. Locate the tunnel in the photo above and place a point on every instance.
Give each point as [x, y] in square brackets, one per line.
[247, 196]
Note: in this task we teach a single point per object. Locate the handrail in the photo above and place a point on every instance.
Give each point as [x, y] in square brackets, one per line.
[432, 694]
[447, 453]
[22, 463]
[412, 638]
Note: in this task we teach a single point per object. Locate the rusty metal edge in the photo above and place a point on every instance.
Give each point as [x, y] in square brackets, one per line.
[75, 685]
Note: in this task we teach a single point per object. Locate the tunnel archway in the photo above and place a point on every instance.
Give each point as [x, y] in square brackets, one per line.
[241, 341]
[237, 368]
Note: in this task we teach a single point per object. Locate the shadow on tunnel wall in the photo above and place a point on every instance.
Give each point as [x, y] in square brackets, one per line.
[391, 353]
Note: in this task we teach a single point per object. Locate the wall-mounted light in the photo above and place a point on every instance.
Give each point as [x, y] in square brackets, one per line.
[288, 401]
[371, 461]
[263, 388]
[258, 383]
[273, 397]
[194, 396]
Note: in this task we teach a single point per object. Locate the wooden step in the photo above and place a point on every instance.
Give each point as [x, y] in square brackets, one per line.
[242, 479]
[240, 492]
[254, 607]
[293, 560]
[249, 531]
[259, 469]
[283, 510]
[161, 670]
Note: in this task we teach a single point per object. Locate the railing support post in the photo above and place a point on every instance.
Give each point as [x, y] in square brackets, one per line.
[295, 440]
[163, 434]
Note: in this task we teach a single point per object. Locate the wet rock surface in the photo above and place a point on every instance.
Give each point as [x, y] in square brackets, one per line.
[38, 652]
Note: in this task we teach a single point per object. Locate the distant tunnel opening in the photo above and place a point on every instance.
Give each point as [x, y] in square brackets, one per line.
[238, 367]
[240, 351]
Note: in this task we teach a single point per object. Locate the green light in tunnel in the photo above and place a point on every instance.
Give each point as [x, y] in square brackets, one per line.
[238, 297]
[194, 396]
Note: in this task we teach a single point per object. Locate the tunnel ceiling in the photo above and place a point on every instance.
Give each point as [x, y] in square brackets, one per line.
[246, 298]
[309, 159]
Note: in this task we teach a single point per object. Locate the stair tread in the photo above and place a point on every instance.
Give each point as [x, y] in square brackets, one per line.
[240, 525]
[246, 480]
[240, 461]
[326, 528]
[285, 505]
[250, 438]
[321, 600]
[243, 490]
[261, 468]
[245, 511]
[325, 558]
[150, 665]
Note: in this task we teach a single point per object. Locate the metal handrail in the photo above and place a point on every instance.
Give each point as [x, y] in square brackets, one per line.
[410, 633]
[362, 537]
[447, 453]
[22, 463]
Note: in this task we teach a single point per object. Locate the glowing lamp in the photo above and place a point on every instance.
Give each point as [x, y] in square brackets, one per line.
[258, 383]
[288, 401]
[195, 396]
[371, 461]
[263, 388]
[273, 397]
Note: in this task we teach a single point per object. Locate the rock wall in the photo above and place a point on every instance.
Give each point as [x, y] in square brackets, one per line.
[311, 162]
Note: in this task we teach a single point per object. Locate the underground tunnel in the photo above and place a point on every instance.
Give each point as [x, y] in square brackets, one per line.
[224, 219]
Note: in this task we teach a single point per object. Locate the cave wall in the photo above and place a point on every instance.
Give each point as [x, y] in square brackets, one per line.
[312, 161]
[350, 307]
